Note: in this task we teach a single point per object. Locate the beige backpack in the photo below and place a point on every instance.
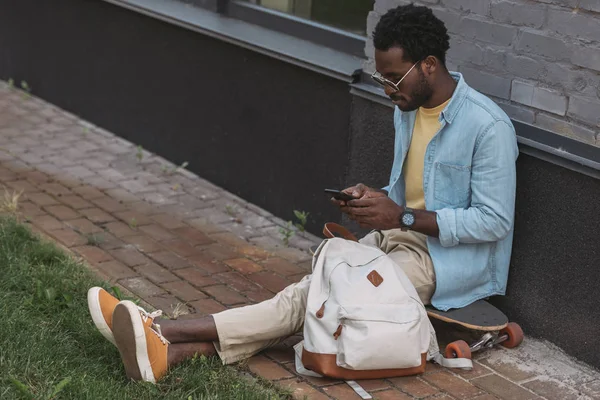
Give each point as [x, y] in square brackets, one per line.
[364, 319]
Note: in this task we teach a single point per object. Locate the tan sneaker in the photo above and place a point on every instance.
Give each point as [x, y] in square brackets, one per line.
[102, 305]
[143, 348]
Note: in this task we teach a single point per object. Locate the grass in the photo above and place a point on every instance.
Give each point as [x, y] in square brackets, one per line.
[50, 349]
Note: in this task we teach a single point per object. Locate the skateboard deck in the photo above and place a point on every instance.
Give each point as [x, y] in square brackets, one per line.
[479, 316]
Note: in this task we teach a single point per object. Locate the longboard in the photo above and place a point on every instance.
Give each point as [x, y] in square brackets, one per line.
[479, 316]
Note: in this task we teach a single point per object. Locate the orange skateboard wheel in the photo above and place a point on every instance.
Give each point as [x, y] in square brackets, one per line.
[514, 333]
[458, 349]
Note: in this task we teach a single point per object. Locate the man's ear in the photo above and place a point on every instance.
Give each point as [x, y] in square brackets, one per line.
[430, 64]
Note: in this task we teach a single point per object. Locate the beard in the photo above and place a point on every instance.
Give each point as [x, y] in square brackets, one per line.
[419, 96]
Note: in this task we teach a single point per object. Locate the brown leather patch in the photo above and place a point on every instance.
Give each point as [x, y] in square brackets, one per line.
[375, 278]
[325, 364]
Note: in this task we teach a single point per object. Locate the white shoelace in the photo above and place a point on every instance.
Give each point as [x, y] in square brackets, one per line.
[155, 327]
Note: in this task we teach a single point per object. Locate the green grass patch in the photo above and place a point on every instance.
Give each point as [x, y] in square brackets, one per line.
[50, 349]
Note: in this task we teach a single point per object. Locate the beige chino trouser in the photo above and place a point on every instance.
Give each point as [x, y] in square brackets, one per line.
[248, 330]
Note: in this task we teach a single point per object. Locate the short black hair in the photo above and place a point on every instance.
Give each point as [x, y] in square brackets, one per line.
[414, 29]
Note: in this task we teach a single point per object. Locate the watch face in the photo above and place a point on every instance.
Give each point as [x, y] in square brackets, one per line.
[408, 219]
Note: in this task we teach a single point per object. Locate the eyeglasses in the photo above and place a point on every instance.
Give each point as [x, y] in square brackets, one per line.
[377, 77]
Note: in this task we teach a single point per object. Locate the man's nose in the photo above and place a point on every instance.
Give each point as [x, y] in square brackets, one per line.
[389, 91]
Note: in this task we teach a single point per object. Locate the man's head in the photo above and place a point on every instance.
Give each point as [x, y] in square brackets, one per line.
[410, 37]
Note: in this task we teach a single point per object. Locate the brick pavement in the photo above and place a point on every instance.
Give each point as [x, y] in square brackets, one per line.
[189, 247]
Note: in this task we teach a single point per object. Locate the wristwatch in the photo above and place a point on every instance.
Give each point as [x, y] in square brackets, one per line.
[407, 219]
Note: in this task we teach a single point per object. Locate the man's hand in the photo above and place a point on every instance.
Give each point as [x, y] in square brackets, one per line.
[378, 212]
[359, 191]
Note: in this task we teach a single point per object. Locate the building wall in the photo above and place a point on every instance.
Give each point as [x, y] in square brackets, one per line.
[539, 59]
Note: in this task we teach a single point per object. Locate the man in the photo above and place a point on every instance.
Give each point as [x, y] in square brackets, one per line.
[446, 217]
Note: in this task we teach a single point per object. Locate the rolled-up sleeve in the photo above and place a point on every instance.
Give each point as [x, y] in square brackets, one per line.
[490, 216]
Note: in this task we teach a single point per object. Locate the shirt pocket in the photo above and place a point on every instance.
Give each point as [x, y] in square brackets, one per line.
[452, 184]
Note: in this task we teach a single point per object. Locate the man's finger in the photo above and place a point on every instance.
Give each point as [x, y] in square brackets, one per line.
[364, 202]
[360, 211]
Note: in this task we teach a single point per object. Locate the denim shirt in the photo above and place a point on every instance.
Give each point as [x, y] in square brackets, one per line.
[469, 180]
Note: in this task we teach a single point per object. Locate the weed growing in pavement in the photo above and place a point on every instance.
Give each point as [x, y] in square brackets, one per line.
[10, 201]
[287, 231]
[11, 83]
[171, 170]
[26, 89]
[133, 223]
[140, 153]
[94, 239]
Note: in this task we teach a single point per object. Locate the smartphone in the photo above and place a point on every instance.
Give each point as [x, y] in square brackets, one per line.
[339, 195]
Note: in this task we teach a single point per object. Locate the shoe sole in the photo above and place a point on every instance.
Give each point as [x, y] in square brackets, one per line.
[130, 337]
[93, 299]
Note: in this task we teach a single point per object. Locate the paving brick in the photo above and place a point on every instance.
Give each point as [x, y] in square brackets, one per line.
[170, 260]
[268, 369]
[30, 210]
[83, 226]
[229, 239]
[55, 189]
[88, 192]
[390, 395]
[122, 195]
[195, 276]
[143, 243]
[243, 265]
[36, 177]
[503, 388]
[204, 225]
[96, 215]
[47, 223]
[253, 252]
[373, 384]
[105, 241]
[120, 230]
[341, 392]
[453, 385]
[477, 371]
[168, 304]
[414, 386]
[75, 202]
[108, 204]
[21, 186]
[237, 281]
[130, 256]
[68, 237]
[181, 247]
[269, 281]
[133, 217]
[509, 370]
[192, 235]
[586, 56]
[258, 295]
[281, 353]
[293, 255]
[157, 232]
[207, 306]
[282, 266]
[207, 263]
[62, 213]
[301, 390]
[142, 287]
[116, 270]
[92, 254]
[168, 221]
[553, 390]
[155, 273]
[183, 290]
[41, 199]
[219, 252]
[225, 295]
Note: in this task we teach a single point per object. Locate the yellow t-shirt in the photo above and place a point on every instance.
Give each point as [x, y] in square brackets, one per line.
[427, 123]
